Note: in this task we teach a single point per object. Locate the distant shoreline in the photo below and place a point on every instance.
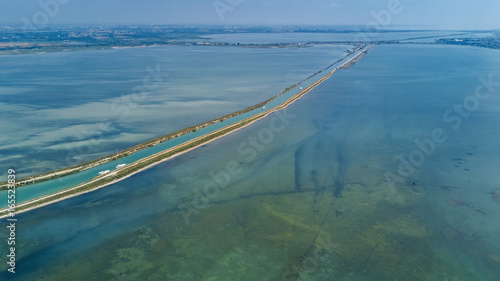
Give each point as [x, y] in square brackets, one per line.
[34, 49]
[162, 156]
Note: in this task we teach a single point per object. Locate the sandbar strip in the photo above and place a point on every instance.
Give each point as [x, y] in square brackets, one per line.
[59, 196]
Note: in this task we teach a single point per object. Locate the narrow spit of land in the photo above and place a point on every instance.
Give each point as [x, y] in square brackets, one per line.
[97, 162]
[152, 160]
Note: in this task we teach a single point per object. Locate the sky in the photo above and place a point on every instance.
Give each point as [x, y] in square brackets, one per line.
[433, 14]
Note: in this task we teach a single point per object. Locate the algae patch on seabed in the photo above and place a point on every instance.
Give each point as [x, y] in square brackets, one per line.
[266, 229]
[496, 195]
[130, 260]
[373, 234]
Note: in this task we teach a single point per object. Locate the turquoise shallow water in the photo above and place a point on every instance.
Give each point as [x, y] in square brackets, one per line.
[308, 200]
[60, 109]
[44, 188]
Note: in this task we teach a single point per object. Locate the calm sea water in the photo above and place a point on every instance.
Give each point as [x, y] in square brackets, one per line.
[303, 195]
[37, 190]
[362, 35]
[60, 109]
[304, 37]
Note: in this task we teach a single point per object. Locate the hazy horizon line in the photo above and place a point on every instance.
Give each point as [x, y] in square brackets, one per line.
[341, 27]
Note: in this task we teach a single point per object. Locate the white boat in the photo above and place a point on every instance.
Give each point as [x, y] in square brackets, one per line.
[103, 172]
[120, 165]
